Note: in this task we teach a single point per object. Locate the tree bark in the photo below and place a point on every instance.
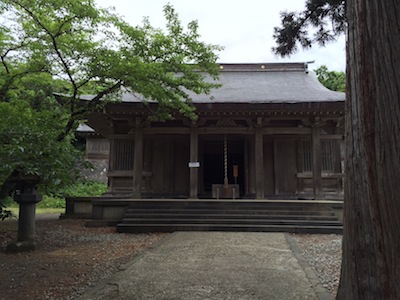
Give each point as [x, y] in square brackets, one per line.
[371, 239]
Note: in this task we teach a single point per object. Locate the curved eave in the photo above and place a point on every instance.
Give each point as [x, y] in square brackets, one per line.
[262, 87]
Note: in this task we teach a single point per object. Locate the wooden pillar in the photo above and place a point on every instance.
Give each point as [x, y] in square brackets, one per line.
[138, 163]
[246, 166]
[317, 168]
[251, 166]
[259, 160]
[111, 165]
[194, 157]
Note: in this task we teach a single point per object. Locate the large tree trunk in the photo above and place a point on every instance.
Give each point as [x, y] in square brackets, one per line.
[371, 241]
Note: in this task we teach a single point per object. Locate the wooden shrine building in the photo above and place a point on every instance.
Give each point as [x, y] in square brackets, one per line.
[271, 131]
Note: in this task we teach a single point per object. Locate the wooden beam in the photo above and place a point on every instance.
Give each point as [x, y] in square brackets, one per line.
[194, 157]
[138, 163]
[122, 136]
[287, 130]
[233, 130]
[120, 173]
[332, 137]
[166, 130]
[226, 130]
[317, 167]
[306, 175]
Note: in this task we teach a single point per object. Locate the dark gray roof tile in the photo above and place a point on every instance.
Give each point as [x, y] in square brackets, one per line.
[283, 86]
[261, 83]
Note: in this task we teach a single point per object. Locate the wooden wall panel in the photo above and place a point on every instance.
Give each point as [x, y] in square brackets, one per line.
[181, 171]
[169, 167]
[286, 167]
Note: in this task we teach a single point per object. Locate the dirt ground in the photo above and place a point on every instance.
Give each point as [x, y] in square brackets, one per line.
[69, 258]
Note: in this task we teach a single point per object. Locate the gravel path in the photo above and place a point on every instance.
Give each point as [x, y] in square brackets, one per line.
[323, 253]
[70, 258]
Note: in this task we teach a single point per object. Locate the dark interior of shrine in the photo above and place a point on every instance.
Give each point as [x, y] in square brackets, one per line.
[214, 163]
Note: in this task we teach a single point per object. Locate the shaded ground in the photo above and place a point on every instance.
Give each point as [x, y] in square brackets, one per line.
[69, 258]
[213, 265]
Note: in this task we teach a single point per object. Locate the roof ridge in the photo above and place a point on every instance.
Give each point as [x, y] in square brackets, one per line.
[264, 67]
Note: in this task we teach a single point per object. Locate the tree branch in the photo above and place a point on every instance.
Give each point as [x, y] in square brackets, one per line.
[3, 61]
[293, 26]
[87, 108]
[53, 41]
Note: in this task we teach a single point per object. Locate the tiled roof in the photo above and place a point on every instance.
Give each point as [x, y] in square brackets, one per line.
[84, 128]
[263, 83]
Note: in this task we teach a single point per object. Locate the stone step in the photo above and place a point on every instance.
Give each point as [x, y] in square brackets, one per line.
[140, 228]
[168, 216]
[219, 215]
[233, 205]
[229, 221]
[181, 211]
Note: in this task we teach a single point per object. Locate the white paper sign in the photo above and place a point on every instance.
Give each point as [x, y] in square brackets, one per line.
[194, 164]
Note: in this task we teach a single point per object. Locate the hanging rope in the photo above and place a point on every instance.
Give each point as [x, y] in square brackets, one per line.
[225, 162]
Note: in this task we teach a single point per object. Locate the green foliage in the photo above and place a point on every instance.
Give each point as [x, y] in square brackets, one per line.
[71, 47]
[92, 49]
[51, 202]
[80, 189]
[333, 80]
[56, 198]
[327, 17]
[4, 213]
[30, 146]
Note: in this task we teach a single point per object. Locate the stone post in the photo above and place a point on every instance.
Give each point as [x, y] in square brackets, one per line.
[27, 200]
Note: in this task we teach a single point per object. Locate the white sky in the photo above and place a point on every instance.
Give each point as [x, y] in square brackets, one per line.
[244, 28]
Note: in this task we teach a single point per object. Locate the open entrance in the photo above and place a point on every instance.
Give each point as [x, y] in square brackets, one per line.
[214, 163]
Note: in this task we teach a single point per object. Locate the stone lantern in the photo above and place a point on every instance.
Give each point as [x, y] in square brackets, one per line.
[27, 199]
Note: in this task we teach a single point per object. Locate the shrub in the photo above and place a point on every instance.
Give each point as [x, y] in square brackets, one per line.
[81, 189]
[51, 202]
[56, 198]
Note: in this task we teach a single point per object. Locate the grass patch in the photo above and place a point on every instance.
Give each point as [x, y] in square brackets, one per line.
[15, 210]
[49, 210]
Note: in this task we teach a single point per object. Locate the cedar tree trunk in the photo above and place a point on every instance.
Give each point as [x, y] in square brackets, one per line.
[371, 240]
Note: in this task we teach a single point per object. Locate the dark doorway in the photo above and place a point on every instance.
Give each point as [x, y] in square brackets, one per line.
[213, 162]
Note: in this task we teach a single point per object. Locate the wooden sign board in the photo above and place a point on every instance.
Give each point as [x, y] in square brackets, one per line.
[194, 164]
